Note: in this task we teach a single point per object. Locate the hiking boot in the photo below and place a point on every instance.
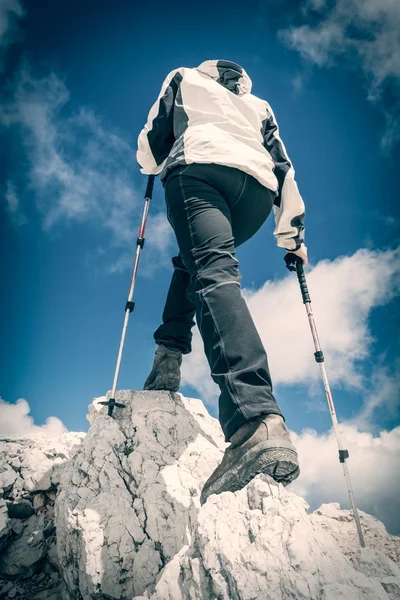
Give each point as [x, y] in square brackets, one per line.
[262, 445]
[166, 373]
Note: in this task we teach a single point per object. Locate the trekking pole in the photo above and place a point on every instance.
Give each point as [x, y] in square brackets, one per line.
[295, 263]
[130, 305]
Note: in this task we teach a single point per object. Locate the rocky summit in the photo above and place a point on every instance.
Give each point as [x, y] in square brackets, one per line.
[115, 513]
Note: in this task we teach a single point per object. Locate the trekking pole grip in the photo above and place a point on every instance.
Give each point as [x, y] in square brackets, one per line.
[295, 263]
[150, 185]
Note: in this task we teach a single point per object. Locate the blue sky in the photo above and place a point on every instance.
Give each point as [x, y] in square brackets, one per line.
[77, 84]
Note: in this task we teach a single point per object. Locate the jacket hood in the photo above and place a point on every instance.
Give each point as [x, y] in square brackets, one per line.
[229, 74]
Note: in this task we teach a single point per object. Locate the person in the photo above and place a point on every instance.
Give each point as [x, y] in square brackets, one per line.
[224, 168]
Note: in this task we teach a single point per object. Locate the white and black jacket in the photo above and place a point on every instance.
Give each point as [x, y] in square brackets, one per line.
[208, 115]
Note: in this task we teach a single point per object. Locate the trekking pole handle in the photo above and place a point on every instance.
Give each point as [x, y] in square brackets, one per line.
[295, 263]
[150, 185]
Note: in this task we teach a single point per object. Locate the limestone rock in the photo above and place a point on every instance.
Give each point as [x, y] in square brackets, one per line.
[374, 563]
[7, 478]
[5, 589]
[22, 554]
[261, 543]
[339, 522]
[124, 499]
[21, 509]
[39, 501]
[37, 459]
[16, 525]
[117, 515]
[41, 462]
[52, 554]
[392, 587]
[27, 465]
[130, 524]
[4, 523]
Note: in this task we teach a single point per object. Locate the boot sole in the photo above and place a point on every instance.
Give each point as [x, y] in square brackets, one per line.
[280, 463]
[162, 388]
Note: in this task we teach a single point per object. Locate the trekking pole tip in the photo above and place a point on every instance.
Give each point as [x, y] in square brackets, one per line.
[111, 403]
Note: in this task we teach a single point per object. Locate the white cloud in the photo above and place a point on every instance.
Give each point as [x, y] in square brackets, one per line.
[79, 170]
[343, 294]
[15, 420]
[366, 33]
[159, 237]
[383, 391]
[13, 205]
[374, 467]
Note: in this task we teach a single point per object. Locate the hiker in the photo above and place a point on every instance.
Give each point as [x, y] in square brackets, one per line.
[223, 168]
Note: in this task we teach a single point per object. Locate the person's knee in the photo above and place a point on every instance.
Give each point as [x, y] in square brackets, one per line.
[204, 281]
[217, 258]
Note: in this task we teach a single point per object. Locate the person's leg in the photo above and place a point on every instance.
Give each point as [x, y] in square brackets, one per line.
[199, 200]
[175, 332]
[176, 329]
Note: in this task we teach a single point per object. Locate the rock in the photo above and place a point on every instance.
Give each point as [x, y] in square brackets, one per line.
[55, 593]
[123, 500]
[18, 490]
[49, 512]
[16, 525]
[26, 465]
[52, 554]
[374, 563]
[15, 463]
[340, 525]
[5, 588]
[49, 529]
[51, 496]
[36, 471]
[128, 521]
[7, 478]
[39, 501]
[12, 593]
[24, 552]
[35, 458]
[391, 586]
[261, 543]
[4, 523]
[20, 510]
[54, 579]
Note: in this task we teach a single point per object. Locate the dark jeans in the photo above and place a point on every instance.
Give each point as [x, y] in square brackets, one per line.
[213, 209]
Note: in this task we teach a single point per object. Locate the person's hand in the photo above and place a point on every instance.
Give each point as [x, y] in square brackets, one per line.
[302, 252]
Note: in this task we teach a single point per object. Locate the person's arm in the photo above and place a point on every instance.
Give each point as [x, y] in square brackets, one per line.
[157, 136]
[289, 209]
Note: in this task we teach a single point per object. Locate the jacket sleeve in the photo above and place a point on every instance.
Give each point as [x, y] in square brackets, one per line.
[289, 209]
[157, 136]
